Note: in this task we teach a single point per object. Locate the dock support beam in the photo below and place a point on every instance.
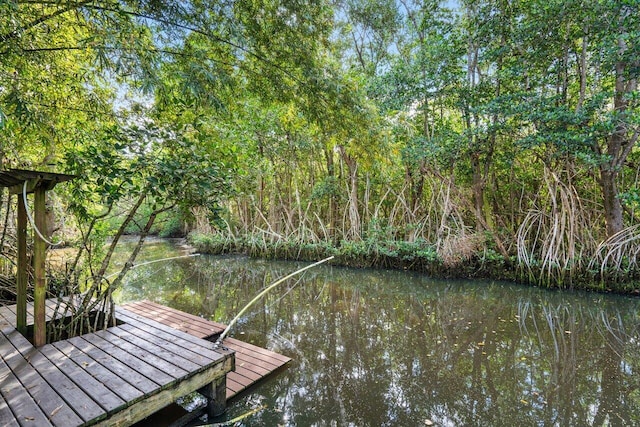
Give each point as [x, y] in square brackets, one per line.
[216, 394]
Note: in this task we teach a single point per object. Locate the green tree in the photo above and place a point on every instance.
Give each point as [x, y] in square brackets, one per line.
[580, 88]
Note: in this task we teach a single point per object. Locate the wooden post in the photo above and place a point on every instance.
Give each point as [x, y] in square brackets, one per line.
[22, 275]
[39, 253]
[216, 394]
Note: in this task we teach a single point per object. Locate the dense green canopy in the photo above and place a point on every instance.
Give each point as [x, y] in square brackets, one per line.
[502, 128]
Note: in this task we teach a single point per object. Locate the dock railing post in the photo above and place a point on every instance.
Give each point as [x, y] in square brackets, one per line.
[39, 255]
[22, 274]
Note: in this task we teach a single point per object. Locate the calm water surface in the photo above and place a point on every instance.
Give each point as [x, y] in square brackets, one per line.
[386, 348]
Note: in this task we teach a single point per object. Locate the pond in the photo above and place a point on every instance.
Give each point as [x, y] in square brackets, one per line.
[391, 348]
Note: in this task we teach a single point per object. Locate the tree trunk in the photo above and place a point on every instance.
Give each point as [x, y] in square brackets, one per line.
[478, 192]
[611, 202]
[354, 214]
[619, 144]
[86, 303]
[333, 203]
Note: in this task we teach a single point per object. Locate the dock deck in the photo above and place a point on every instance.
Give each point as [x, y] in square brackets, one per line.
[253, 363]
[113, 377]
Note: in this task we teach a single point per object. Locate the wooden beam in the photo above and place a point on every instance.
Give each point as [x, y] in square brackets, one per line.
[39, 254]
[22, 275]
[154, 403]
[14, 179]
[32, 184]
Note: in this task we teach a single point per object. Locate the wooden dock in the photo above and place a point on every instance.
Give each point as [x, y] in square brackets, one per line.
[253, 363]
[113, 377]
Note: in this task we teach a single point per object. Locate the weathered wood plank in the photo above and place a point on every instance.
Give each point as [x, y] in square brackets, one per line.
[249, 368]
[77, 399]
[167, 334]
[180, 315]
[7, 319]
[167, 318]
[22, 273]
[58, 309]
[116, 384]
[233, 387]
[206, 348]
[30, 318]
[136, 379]
[270, 357]
[268, 364]
[113, 377]
[194, 325]
[254, 364]
[15, 368]
[138, 365]
[7, 418]
[51, 404]
[11, 313]
[96, 390]
[135, 350]
[163, 343]
[244, 382]
[257, 352]
[21, 403]
[5, 311]
[245, 368]
[158, 348]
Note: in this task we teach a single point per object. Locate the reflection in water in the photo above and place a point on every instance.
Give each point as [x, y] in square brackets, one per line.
[379, 348]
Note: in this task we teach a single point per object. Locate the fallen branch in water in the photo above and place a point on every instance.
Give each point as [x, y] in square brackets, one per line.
[261, 294]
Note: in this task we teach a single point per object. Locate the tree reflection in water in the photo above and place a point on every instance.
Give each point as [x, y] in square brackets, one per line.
[376, 348]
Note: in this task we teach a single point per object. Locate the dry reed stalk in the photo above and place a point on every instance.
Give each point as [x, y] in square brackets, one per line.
[618, 253]
[242, 214]
[267, 223]
[391, 218]
[230, 233]
[308, 234]
[552, 239]
[323, 228]
[407, 215]
[305, 225]
[443, 229]
[376, 211]
[457, 248]
[451, 232]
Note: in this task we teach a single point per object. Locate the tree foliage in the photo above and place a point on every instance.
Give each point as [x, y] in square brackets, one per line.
[478, 126]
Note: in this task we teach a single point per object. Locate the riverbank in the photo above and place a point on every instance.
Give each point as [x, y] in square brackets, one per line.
[420, 256]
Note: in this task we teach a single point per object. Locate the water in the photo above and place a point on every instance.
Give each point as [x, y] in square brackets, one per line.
[387, 348]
